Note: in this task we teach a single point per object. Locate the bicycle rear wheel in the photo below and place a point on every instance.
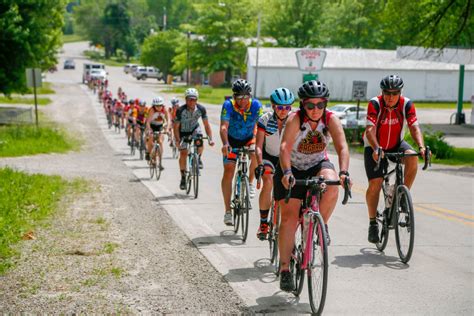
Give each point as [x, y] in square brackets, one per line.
[405, 228]
[132, 145]
[318, 266]
[383, 231]
[244, 209]
[142, 147]
[296, 260]
[195, 175]
[152, 166]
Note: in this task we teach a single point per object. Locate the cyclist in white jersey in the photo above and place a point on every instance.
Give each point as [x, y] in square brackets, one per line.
[267, 146]
[303, 155]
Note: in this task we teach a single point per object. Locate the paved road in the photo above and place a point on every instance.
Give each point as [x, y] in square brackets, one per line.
[438, 280]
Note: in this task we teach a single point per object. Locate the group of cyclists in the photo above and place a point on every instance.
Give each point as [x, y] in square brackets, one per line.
[285, 145]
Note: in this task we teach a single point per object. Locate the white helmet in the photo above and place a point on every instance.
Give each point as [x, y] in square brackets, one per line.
[158, 101]
[191, 93]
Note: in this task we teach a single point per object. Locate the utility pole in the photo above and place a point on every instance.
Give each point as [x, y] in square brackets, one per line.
[258, 46]
[187, 59]
[164, 19]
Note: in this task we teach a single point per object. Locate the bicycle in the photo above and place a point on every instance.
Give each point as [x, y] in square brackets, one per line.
[398, 206]
[310, 252]
[155, 156]
[192, 167]
[117, 125]
[273, 225]
[141, 144]
[240, 203]
[131, 140]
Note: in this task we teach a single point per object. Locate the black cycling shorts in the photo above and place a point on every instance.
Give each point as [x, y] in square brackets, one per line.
[370, 163]
[156, 128]
[297, 192]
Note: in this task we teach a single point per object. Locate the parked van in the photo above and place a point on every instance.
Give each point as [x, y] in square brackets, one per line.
[144, 73]
[86, 71]
[128, 68]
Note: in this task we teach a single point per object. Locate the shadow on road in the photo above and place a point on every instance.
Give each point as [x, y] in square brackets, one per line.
[280, 303]
[175, 196]
[226, 237]
[369, 257]
[262, 271]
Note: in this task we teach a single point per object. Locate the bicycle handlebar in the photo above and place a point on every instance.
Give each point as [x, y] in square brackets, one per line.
[426, 158]
[319, 182]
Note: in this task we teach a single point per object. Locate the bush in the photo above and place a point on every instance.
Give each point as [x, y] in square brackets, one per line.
[435, 140]
[354, 135]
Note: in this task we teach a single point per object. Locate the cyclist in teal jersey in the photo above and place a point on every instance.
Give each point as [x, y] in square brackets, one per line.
[239, 118]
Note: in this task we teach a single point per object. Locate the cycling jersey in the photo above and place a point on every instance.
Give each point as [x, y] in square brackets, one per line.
[389, 123]
[157, 117]
[189, 120]
[242, 123]
[140, 115]
[268, 123]
[310, 145]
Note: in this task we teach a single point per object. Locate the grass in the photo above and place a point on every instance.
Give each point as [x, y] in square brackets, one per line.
[70, 38]
[21, 100]
[206, 94]
[21, 140]
[461, 156]
[113, 61]
[45, 89]
[26, 201]
[216, 96]
[109, 247]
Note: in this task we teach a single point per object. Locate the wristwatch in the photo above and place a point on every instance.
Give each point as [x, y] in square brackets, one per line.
[344, 172]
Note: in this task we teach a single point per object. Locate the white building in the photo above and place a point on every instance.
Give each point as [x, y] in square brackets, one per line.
[424, 80]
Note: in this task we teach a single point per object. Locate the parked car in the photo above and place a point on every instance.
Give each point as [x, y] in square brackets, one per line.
[128, 68]
[69, 64]
[98, 74]
[351, 121]
[342, 110]
[144, 73]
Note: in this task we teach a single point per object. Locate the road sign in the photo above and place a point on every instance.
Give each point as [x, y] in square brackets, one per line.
[310, 60]
[30, 81]
[308, 77]
[359, 90]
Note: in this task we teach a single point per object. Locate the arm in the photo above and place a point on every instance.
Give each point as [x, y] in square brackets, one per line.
[208, 129]
[148, 119]
[287, 141]
[259, 145]
[223, 133]
[417, 136]
[340, 144]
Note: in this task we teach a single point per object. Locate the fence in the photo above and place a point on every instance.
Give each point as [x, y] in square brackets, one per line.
[16, 115]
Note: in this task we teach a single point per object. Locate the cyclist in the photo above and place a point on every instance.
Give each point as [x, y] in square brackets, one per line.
[128, 110]
[239, 117]
[303, 155]
[156, 122]
[386, 114]
[118, 112]
[139, 115]
[267, 147]
[186, 123]
[172, 115]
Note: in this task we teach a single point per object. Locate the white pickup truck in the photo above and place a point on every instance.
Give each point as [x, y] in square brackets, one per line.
[143, 73]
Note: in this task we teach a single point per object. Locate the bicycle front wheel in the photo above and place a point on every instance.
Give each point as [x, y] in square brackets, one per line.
[195, 175]
[383, 230]
[296, 260]
[405, 228]
[189, 175]
[244, 208]
[157, 161]
[132, 145]
[318, 266]
[273, 233]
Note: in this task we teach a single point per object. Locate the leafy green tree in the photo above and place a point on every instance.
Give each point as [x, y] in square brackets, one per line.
[116, 22]
[30, 34]
[177, 12]
[159, 49]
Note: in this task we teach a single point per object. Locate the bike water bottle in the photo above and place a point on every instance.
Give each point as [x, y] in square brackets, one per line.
[306, 219]
[389, 191]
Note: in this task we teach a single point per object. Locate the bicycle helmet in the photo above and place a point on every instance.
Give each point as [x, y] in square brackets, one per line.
[282, 96]
[241, 86]
[131, 101]
[174, 101]
[142, 103]
[313, 89]
[391, 82]
[158, 101]
[191, 93]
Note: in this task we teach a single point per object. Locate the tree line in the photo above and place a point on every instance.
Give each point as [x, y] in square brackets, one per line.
[212, 35]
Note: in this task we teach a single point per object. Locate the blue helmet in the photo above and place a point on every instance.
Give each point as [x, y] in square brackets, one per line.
[282, 96]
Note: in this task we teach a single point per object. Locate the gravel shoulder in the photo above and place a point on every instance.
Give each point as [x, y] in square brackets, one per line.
[110, 249]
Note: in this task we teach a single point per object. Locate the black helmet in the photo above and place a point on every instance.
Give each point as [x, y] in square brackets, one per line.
[241, 86]
[392, 82]
[313, 89]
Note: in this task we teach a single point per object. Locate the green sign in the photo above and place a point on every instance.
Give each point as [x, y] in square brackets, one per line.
[308, 77]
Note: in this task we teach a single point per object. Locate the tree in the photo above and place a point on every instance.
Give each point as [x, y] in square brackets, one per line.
[30, 37]
[159, 49]
[220, 30]
[116, 22]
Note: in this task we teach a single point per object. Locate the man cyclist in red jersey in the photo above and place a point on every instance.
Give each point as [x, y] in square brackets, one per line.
[128, 111]
[386, 115]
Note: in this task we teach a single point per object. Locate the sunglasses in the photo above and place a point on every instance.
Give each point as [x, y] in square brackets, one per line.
[241, 96]
[191, 99]
[283, 107]
[320, 105]
[386, 92]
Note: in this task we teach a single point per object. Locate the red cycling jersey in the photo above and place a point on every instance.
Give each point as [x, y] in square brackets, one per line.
[389, 122]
